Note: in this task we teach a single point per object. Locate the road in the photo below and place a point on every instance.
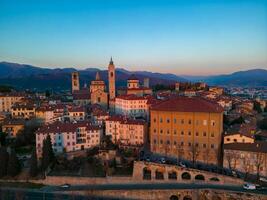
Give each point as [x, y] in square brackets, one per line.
[151, 186]
[53, 192]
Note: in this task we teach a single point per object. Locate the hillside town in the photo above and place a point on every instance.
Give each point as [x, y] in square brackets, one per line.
[105, 131]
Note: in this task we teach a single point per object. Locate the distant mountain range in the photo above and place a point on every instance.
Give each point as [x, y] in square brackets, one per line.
[23, 76]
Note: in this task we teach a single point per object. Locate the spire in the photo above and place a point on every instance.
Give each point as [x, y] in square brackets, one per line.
[97, 77]
[111, 61]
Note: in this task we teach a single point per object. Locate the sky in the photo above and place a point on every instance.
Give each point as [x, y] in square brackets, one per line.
[191, 37]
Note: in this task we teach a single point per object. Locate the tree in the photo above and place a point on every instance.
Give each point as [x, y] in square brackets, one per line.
[4, 161]
[246, 165]
[3, 138]
[239, 120]
[231, 157]
[47, 153]
[194, 151]
[33, 164]
[263, 124]
[14, 167]
[257, 107]
[258, 163]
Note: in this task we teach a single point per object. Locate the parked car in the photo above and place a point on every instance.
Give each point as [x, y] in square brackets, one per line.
[181, 164]
[65, 186]
[249, 186]
[163, 160]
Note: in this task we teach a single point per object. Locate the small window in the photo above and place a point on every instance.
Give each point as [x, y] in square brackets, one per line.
[168, 121]
[189, 121]
[212, 146]
[204, 145]
[189, 144]
[196, 133]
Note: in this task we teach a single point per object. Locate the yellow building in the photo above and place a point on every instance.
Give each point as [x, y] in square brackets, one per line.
[249, 158]
[187, 127]
[7, 101]
[24, 110]
[98, 93]
[12, 127]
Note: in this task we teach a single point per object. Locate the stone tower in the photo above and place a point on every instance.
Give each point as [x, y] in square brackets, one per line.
[75, 81]
[111, 80]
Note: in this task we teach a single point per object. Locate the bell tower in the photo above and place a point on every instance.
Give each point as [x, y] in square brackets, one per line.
[75, 83]
[111, 79]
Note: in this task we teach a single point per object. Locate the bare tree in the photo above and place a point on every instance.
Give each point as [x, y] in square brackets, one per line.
[232, 158]
[259, 163]
[246, 165]
[194, 152]
[180, 152]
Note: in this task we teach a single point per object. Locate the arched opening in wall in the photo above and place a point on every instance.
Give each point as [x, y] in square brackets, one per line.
[174, 197]
[187, 197]
[186, 176]
[214, 179]
[146, 174]
[159, 175]
[199, 177]
[172, 175]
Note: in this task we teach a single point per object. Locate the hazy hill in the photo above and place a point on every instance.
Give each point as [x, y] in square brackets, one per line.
[250, 78]
[30, 77]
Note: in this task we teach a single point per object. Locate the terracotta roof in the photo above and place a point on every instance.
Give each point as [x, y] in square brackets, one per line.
[81, 96]
[188, 104]
[252, 147]
[140, 88]
[66, 127]
[130, 97]
[125, 120]
[76, 109]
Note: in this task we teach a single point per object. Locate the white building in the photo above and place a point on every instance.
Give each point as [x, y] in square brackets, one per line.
[132, 106]
[67, 137]
[126, 131]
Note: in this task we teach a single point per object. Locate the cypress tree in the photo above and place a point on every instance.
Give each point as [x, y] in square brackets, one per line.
[47, 154]
[33, 164]
[50, 149]
[4, 161]
[14, 167]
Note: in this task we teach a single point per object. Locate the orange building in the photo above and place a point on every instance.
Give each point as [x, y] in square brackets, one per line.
[187, 127]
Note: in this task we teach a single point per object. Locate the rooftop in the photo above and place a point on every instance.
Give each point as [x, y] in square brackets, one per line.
[188, 104]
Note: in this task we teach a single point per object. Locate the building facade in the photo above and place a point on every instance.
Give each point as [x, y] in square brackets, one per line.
[132, 106]
[98, 93]
[8, 100]
[188, 128]
[249, 158]
[67, 137]
[125, 131]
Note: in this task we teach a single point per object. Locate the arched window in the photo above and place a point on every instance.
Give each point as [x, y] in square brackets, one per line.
[200, 177]
[186, 176]
[146, 174]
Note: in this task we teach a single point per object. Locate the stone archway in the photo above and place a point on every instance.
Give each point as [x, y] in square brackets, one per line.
[200, 177]
[159, 174]
[174, 197]
[186, 176]
[146, 174]
[187, 197]
[214, 179]
[172, 175]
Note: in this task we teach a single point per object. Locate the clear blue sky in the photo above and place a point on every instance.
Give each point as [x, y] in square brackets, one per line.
[182, 37]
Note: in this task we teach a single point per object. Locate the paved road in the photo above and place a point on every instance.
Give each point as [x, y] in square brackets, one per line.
[158, 186]
[52, 192]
